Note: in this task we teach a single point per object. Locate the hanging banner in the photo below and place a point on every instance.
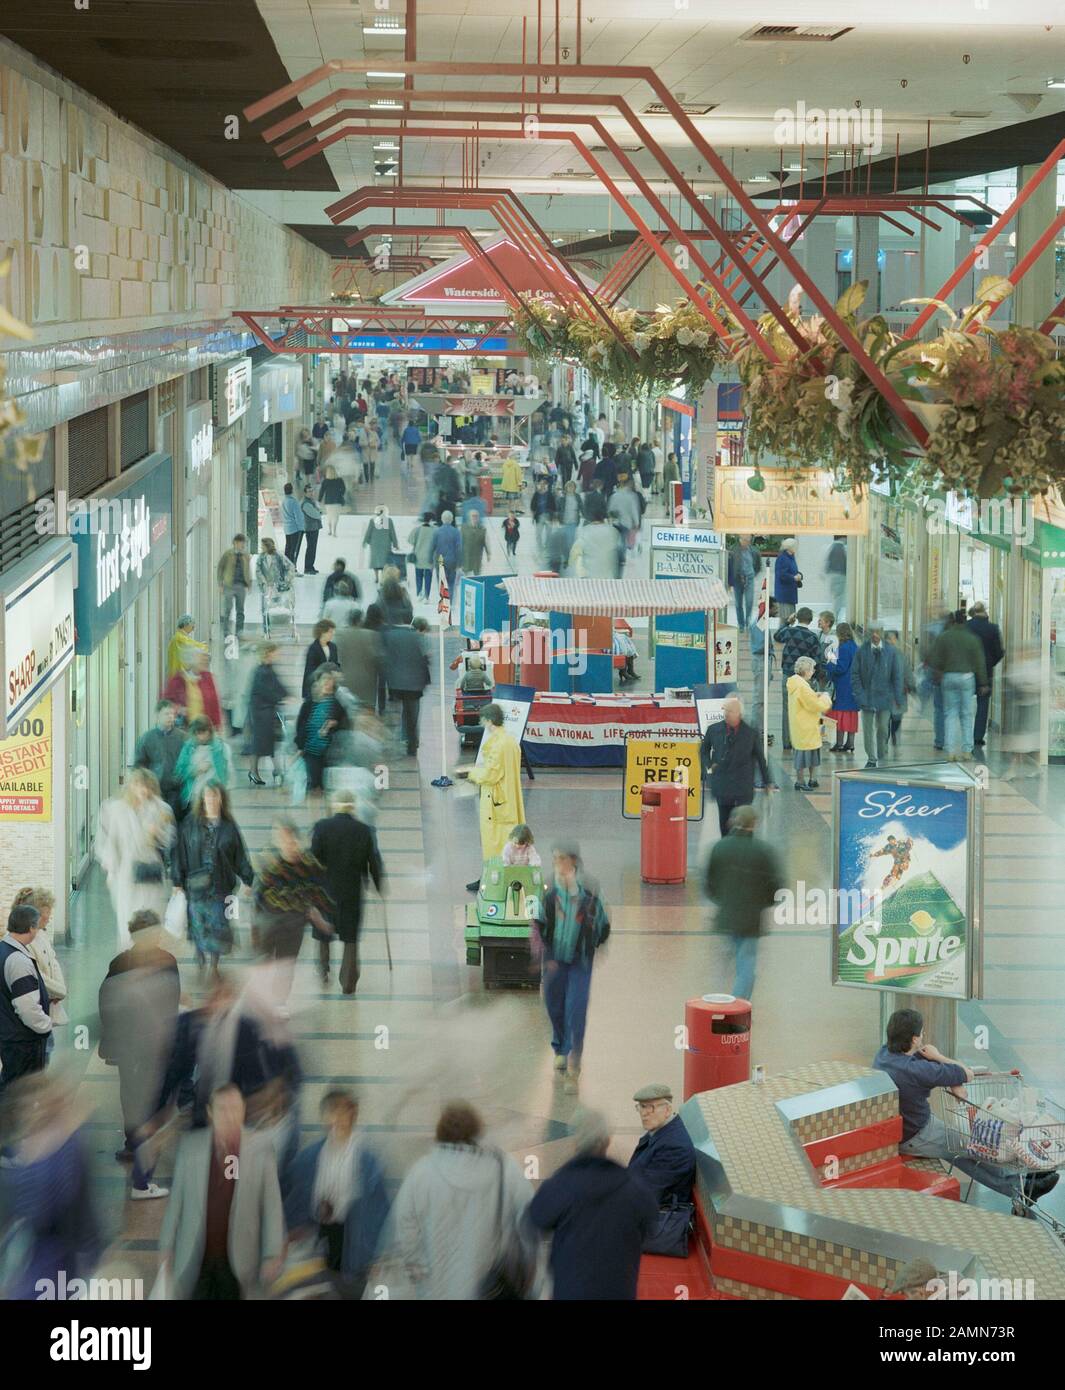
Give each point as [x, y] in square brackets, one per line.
[788, 505]
[651, 760]
[26, 767]
[907, 876]
[515, 701]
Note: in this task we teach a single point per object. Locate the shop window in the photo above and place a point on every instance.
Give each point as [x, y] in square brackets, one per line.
[198, 387]
[166, 398]
[88, 451]
[133, 430]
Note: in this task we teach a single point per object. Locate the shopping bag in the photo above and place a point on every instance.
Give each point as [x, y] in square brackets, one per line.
[176, 917]
[671, 1231]
[297, 781]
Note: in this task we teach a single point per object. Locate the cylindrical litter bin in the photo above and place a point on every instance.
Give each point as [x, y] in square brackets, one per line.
[484, 490]
[663, 833]
[719, 1043]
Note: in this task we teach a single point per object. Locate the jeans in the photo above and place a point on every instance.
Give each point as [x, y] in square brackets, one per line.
[566, 989]
[938, 719]
[293, 541]
[744, 593]
[423, 581]
[933, 1141]
[233, 595]
[983, 709]
[745, 949]
[837, 587]
[875, 725]
[757, 719]
[959, 711]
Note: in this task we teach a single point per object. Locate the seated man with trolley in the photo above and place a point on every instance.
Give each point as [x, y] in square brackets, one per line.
[917, 1069]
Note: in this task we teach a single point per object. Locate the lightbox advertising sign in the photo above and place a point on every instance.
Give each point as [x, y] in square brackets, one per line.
[905, 881]
[123, 540]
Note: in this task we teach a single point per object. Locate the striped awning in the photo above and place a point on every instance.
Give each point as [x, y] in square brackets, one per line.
[615, 598]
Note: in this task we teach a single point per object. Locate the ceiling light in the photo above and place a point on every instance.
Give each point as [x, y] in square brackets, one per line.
[387, 145]
[397, 76]
[794, 168]
[383, 25]
[384, 103]
[760, 178]
[591, 231]
[1056, 81]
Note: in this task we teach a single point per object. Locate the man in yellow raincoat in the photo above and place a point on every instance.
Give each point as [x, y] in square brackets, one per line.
[498, 774]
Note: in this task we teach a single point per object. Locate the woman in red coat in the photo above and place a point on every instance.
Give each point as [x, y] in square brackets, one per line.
[193, 690]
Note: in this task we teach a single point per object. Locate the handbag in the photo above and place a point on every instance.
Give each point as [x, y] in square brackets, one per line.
[148, 871]
[672, 1231]
[509, 1277]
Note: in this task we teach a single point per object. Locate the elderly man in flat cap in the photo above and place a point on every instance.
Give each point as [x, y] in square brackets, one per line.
[665, 1156]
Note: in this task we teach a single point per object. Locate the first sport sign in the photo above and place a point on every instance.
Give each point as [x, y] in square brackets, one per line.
[648, 761]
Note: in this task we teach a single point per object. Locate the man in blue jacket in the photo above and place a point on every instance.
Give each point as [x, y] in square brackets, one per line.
[338, 1185]
[787, 579]
[293, 522]
[447, 546]
[599, 1215]
[665, 1156]
[876, 680]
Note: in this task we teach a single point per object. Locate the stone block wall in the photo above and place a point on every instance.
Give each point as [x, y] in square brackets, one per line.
[111, 231]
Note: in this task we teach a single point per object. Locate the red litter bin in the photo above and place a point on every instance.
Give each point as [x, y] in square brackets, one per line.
[484, 488]
[719, 1043]
[663, 833]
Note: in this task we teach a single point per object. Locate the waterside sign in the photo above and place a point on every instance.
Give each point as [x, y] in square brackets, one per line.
[787, 506]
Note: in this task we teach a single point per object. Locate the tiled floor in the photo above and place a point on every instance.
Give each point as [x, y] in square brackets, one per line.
[447, 1037]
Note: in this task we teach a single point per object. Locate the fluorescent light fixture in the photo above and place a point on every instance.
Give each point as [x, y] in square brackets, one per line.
[1056, 81]
[384, 103]
[760, 178]
[378, 28]
[591, 231]
[795, 168]
[398, 76]
[387, 145]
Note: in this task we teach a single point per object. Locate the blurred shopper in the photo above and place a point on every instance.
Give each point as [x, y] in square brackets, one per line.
[292, 522]
[134, 832]
[542, 506]
[805, 708]
[957, 660]
[565, 460]
[234, 579]
[498, 774]
[421, 541]
[210, 858]
[181, 643]
[598, 1215]
[876, 680]
[25, 1008]
[339, 572]
[744, 563]
[406, 670]
[338, 608]
[275, 574]
[193, 691]
[757, 630]
[48, 1207]
[447, 549]
[347, 851]
[670, 475]
[787, 579]
[511, 534]
[1022, 701]
[322, 649]
[138, 1022]
[909, 687]
[337, 1185]
[731, 755]
[929, 686]
[158, 751]
[224, 1230]
[475, 548]
[312, 526]
[359, 654]
[844, 709]
[573, 925]
[371, 442]
[836, 574]
[307, 450]
[380, 539]
[459, 1217]
[743, 877]
[290, 891]
[266, 695]
[321, 715]
[595, 553]
[448, 490]
[664, 1158]
[393, 599]
[204, 758]
[989, 635]
[332, 496]
[626, 512]
[43, 952]
[795, 638]
[556, 545]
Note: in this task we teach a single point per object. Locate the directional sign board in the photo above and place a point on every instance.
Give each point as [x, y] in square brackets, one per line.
[650, 761]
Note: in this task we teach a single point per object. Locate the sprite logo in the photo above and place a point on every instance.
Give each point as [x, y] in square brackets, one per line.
[920, 929]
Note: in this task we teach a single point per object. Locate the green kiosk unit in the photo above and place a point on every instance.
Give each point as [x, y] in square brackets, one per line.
[497, 924]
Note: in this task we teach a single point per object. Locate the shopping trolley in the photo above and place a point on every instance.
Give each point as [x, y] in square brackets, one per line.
[280, 604]
[1010, 1127]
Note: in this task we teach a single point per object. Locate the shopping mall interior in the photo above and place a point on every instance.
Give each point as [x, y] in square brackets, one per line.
[641, 338]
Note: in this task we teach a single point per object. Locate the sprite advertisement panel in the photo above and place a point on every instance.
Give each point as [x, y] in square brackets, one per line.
[903, 888]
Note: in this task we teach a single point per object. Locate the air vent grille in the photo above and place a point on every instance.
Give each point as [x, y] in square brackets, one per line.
[657, 108]
[794, 33]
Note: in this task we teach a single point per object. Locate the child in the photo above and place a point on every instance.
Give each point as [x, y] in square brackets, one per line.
[511, 533]
[520, 849]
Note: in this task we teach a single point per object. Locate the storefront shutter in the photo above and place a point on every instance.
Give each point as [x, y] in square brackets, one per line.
[134, 430]
[88, 450]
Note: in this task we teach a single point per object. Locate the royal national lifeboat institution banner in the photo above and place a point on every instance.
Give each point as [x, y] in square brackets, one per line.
[571, 732]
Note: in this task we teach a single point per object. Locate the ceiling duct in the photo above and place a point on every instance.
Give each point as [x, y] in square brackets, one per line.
[657, 108]
[794, 33]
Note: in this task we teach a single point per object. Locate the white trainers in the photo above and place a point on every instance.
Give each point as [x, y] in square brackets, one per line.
[560, 1063]
[146, 1194]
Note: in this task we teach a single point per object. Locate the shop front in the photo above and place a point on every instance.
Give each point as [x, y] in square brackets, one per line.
[1042, 653]
[276, 409]
[125, 544]
[37, 643]
[202, 519]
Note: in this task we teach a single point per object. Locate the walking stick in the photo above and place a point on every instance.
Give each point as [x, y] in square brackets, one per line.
[388, 944]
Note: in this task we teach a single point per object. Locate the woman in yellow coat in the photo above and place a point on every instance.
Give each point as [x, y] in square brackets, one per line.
[498, 774]
[512, 481]
[805, 708]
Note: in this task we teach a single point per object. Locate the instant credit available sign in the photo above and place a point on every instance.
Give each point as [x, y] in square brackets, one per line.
[904, 892]
[26, 767]
[122, 543]
[787, 505]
